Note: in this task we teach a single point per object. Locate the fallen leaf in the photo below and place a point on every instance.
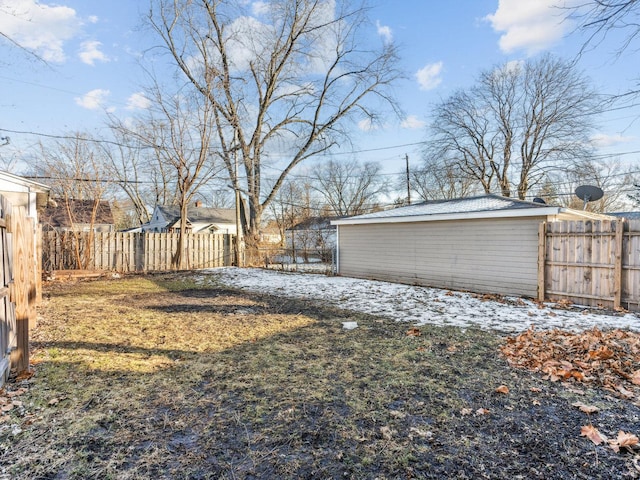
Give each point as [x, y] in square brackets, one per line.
[592, 434]
[482, 411]
[54, 401]
[585, 408]
[502, 389]
[536, 402]
[635, 377]
[414, 332]
[623, 440]
[624, 392]
[465, 411]
[15, 393]
[24, 375]
[535, 389]
[6, 408]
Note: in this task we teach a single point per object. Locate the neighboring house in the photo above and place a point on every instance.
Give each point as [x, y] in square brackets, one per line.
[199, 220]
[65, 215]
[21, 192]
[486, 244]
[313, 236]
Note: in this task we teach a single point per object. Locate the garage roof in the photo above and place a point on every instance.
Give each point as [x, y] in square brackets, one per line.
[483, 206]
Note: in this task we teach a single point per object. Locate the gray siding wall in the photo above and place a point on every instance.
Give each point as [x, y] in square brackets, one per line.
[487, 256]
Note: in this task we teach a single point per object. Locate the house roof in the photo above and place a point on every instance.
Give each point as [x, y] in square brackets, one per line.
[483, 206]
[199, 214]
[627, 215]
[56, 213]
[315, 223]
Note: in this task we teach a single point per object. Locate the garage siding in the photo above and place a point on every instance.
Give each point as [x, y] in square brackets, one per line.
[488, 255]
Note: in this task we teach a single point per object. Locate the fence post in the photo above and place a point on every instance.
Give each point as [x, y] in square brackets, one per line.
[542, 251]
[617, 266]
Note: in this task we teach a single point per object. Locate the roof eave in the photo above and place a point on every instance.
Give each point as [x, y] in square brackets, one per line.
[507, 213]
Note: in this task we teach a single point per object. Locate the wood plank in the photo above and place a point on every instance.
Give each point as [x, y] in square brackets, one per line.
[20, 287]
[617, 275]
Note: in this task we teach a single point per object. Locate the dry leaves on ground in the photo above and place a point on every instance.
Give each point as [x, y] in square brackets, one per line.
[608, 359]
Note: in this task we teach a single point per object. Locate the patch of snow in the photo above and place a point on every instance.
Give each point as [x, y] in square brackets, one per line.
[349, 325]
[419, 305]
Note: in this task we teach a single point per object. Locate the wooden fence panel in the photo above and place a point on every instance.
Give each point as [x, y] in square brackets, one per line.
[132, 252]
[593, 262]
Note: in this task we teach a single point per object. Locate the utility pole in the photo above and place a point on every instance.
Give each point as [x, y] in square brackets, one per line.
[406, 157]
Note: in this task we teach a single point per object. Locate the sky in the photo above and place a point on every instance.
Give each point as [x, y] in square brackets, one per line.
[93, 49]
[416, 305]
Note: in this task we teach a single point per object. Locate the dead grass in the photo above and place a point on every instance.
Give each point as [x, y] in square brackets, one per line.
[170, 376]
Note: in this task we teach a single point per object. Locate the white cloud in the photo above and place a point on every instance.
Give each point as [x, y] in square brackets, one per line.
[428, 77]
[412, 123]
[92, 19]
[90, 52]
[385, 32]
[138, 101]
[532, 26]
[94, 99]
[41, 28]
[259, 8]
[606, 140]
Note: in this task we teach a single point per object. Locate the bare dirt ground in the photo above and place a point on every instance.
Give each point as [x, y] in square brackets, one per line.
[163, 377]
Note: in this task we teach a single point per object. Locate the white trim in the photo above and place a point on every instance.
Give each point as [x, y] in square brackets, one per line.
[337, 250]
[507, 213]
[25, 182]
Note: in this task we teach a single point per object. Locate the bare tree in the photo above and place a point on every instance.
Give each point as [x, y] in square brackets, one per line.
[600, 17]
[74, 169]
[289, 206]
[136, 172]
[178, 130]
[437, 180]
[609, 174]
[514, 123]
[284, 80]
[350, 187]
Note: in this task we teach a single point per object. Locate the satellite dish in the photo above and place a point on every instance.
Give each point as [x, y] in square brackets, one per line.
[539, 200]
[588, 193]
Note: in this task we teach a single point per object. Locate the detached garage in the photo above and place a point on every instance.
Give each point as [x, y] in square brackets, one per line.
[486, 244]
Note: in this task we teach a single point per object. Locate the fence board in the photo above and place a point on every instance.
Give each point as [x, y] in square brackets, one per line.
[132, 252]
[22, 287]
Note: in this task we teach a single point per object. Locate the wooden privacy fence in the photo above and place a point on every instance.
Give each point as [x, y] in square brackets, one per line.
[132, 252]
[591, 262]
[20, 287]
